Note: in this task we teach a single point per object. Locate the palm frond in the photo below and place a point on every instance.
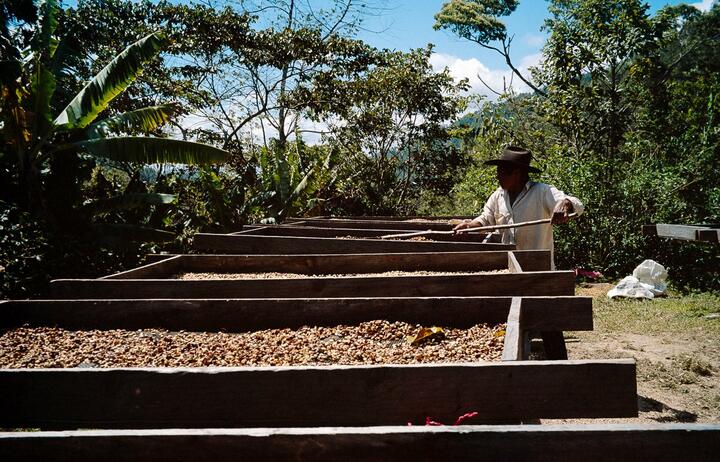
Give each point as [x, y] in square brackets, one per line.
[109, 82]
[146, 120]
[127, 202]
[148, 150]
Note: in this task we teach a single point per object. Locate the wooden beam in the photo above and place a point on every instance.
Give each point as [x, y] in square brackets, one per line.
[240, 315]
[597, 442]
[443, 225]
[513, 349]
[161, 268]
[531, 260]
[391, 217]
[682, 232]
[250, 244]
[313, 231]
[356, 263]
[515, 284]
[513, 264]
[709, 235]
[314, 396]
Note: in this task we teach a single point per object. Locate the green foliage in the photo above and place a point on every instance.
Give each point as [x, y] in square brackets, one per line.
[629, 125]
[290, 178]
[389, 123]
[108, 83]
[475, 20]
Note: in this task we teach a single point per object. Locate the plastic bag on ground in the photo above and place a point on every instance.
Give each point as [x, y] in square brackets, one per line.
[647, 281]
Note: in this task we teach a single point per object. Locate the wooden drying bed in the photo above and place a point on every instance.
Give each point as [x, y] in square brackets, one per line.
[154, 280]
[314, 396]
[317, 231]
[659, 443]
[704, 233]
[258, 244]
[293, 412]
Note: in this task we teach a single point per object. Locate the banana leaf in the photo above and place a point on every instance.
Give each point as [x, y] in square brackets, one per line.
[148, 150]
[146, 120]
[109, 82]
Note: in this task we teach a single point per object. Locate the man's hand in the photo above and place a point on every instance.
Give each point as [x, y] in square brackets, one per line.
[562, 209]
[465, 224]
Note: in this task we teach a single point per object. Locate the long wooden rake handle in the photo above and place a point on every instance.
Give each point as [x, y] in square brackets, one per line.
[479, 228]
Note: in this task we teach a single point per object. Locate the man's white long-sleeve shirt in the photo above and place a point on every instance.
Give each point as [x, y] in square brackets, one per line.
[535, 202]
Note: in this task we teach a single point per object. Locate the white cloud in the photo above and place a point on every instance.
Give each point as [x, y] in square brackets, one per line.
[704, 5]
[534, 40]
[476, 72]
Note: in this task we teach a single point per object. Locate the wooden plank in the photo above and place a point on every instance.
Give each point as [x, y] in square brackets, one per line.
[314, 396]
[513, 349]
[709, 235]
[682, 232]
[250, 244]
[516, 284]
[239, 315]
[513, 264]
[347, 263]
[376, 224]
[312, 231]
[649, 230]
[531, 260]
[591, 443]
[154, 269]
[392, 217]
[155, 257]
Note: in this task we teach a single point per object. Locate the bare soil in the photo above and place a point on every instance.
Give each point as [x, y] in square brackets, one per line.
[675, 342]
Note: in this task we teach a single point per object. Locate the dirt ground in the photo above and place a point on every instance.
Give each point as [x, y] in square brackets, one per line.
[676, 343]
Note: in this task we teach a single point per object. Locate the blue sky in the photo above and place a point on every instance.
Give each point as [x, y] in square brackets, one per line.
[408, 24]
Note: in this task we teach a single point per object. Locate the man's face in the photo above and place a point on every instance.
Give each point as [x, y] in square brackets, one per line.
[510, 177]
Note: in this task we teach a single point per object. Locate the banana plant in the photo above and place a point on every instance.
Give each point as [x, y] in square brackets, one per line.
[38, 136]
[289, 174]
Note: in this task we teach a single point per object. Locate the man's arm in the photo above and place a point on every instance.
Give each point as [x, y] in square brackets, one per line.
[562, 205]
[486, 218]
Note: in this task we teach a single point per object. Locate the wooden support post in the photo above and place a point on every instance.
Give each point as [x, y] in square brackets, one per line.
[514, 348]
[513, 264]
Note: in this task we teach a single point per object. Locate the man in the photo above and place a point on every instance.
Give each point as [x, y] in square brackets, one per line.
[518, 199]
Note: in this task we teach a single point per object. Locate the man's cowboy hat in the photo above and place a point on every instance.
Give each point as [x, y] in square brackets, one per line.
[513, 155]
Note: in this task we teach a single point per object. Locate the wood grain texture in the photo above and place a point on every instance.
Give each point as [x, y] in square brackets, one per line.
[513, 264]
[250, 244]
[314, 396]
[154, 269]
[530, 260]
[444, 225]
[347, 263]
[513, 349]
[241, 315]
[313, 231]
[709, 235]
[514, 284]
[592, 443]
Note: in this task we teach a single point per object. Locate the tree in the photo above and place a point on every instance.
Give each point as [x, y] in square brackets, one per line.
[478, 21]
[391, 124]
[38, 140]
